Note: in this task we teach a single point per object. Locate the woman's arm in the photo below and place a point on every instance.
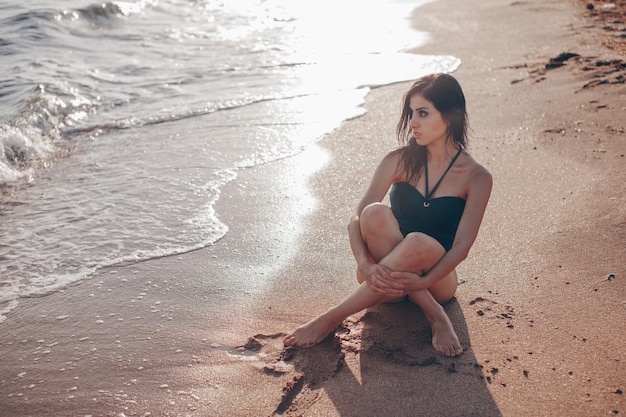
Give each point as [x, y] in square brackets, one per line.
[384, 175]
[476, 203]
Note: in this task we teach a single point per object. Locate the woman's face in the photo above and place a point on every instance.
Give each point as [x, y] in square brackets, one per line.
[426, 123]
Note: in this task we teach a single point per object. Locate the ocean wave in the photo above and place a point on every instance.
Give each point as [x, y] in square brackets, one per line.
[6, 48]
[43, 94]
[53, 117]
[40, 24]
[51, 120]
[108, 12]
[34, 137]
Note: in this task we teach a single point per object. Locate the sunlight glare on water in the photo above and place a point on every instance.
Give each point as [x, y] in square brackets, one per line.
[337, 27]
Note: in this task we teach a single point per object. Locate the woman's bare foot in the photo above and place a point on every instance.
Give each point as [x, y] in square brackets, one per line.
[445, 340]
[311, 333]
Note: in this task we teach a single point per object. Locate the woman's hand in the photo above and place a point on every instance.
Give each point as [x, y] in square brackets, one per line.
[378, 278]
[408, 281]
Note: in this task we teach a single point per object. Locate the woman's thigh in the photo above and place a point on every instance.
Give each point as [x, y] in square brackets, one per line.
[380, 230]
[418, 253]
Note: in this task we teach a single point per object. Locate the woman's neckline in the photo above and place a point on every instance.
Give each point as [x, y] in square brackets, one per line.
[422, 195]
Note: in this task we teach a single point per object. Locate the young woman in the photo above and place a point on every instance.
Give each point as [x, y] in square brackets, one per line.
[438, 195]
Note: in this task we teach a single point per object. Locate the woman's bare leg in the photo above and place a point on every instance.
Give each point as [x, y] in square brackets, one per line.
[445, 339]
[417, 253]
[383, 235]
[316, 330]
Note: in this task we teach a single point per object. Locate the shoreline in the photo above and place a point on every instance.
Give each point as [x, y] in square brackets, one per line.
[201, 333]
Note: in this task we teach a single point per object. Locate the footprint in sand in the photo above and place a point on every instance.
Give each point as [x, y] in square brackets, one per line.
[301, 371]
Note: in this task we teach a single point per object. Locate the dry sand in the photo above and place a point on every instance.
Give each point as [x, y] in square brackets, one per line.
[540, 311]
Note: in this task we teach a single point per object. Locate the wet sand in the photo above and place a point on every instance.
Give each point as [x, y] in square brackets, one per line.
[540, 309]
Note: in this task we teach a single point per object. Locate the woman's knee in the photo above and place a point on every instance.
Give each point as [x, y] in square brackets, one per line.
[376, 216]
[419, 252]
[423, 243]
[444, 289]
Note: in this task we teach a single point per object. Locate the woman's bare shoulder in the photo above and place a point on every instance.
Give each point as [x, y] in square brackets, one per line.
[391, 162]
[474, 166]
[477, 173]
[393, 156]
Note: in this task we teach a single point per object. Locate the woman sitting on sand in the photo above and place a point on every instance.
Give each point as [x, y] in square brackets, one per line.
[412, 248]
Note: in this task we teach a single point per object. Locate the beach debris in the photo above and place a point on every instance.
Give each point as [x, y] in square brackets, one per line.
[479, 300]
[610, 277]
[556, 130]
[602, 71]
[561, 59]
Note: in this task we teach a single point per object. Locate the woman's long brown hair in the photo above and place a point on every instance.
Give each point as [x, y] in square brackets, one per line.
[445, 93]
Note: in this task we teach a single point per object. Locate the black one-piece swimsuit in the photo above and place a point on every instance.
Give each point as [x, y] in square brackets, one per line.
[437, 217]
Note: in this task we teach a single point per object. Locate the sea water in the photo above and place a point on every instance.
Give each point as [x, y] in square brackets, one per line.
[102, 160]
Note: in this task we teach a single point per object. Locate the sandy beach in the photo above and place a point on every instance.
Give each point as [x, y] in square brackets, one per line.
[540, 310]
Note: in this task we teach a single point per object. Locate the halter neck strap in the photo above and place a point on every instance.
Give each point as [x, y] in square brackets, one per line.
[429, 194]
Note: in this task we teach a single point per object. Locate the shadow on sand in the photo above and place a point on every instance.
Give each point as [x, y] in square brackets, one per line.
[383, 364]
